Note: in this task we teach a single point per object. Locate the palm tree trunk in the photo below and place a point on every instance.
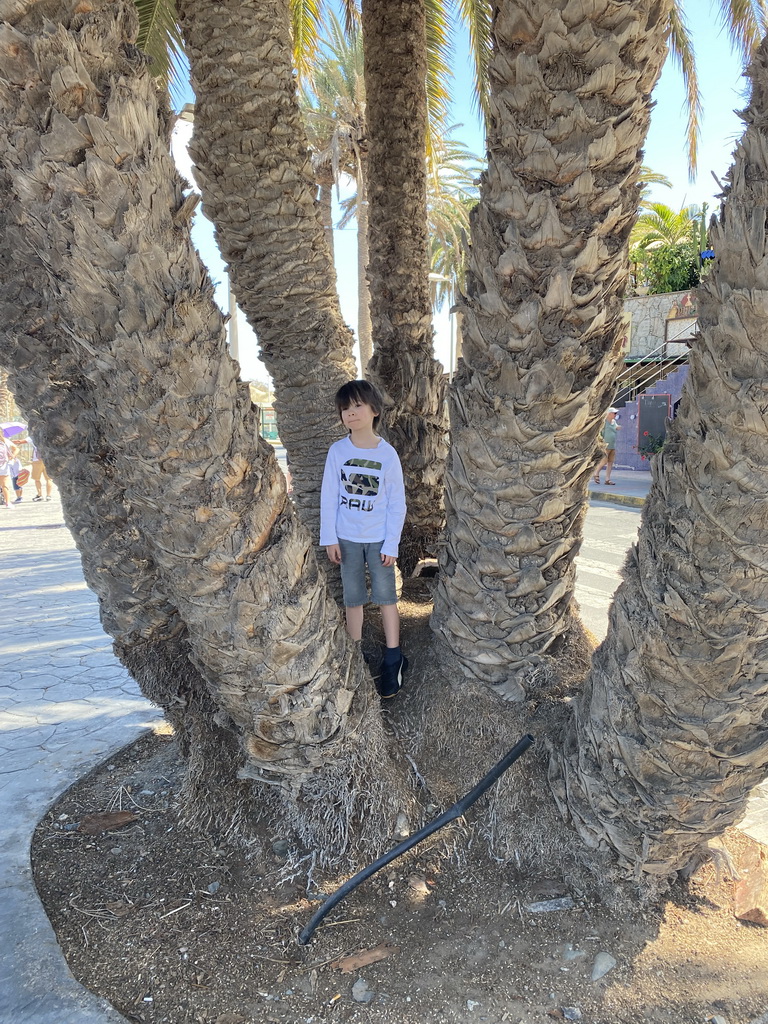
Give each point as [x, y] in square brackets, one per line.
[325, 210]
[670, 735]
[547, 270]
[5, 396]
[394, 38]
[252, 165]
[118, 280]
[364, 326]
[149, 636]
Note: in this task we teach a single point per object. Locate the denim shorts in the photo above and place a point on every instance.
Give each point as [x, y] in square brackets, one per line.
[354, 558]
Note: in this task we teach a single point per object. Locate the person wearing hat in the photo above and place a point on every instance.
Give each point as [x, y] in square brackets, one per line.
[610, 429]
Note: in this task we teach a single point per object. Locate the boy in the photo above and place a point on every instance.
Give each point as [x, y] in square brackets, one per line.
[362, 510]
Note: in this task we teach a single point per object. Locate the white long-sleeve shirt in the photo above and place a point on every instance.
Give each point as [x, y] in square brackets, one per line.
[362, 497]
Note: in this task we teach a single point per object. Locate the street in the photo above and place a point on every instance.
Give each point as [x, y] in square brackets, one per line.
[608, 532]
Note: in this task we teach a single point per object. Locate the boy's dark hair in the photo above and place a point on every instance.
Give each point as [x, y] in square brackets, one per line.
[360, 391]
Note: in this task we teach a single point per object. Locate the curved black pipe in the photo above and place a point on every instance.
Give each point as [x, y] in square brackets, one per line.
[453, 812]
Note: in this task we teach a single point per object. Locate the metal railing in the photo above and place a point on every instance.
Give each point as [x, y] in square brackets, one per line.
[641, 374]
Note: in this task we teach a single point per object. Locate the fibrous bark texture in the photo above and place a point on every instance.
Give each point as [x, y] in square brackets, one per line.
[403, 365]
[255, 174]
[120, 357]
[672, 730]
[570, 104]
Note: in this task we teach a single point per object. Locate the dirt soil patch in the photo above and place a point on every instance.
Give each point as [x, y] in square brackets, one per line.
[170, 926]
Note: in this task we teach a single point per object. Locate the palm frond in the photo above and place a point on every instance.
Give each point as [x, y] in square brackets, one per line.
[306, 20]
[477, 16]
[647, 176]
[746, 22]
[160, 38]
[659, 223]
[681, 49]
[333, 102]
[439, 74]
[351, 10]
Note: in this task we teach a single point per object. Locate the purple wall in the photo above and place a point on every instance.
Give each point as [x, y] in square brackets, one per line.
[627, 456]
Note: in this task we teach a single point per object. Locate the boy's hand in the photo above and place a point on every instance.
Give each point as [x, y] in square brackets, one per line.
[334, 553]
[388, 560]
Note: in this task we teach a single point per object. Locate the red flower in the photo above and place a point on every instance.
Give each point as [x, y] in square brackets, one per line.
[645, 433]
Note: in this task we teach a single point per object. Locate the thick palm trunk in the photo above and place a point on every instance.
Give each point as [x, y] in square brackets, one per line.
[394, 38]
[201, 507]
[254, 171]
[671, 732]
[325, 207]
[570, 105]
[5, 396]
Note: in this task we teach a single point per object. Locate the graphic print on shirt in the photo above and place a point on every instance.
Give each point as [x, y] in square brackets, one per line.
[360, 486]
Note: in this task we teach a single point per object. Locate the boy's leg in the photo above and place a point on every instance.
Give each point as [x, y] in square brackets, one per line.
[390, 620]
[355, 621]
[353, 584]
[384, 593]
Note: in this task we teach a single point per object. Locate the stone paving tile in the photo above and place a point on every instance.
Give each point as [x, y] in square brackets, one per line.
[66, 703]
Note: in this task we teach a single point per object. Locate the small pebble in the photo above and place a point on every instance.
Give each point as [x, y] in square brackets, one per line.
[214, 887]
[116, 850]
[361, 993]
[604, 962]
[472, 1005]
[571, 1012]
[281, 847]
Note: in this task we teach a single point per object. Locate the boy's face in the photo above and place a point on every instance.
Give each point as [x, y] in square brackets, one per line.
[358, 416]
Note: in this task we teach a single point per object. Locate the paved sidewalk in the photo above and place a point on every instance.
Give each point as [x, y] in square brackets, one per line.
[66, 703]
[630, 488]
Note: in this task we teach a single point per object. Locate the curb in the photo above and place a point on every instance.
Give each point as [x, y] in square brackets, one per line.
[633, 500]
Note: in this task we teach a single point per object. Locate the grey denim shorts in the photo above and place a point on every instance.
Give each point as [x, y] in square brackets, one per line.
[354, 558]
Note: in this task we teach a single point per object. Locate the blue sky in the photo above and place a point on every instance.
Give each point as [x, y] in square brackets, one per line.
[723, 91]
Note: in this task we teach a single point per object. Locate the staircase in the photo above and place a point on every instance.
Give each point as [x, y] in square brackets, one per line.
[655, 379]
[641, 375]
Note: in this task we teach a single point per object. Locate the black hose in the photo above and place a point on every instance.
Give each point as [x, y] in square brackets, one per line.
[453, 812]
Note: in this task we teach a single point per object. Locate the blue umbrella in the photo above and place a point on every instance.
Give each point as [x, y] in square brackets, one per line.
[13, 428]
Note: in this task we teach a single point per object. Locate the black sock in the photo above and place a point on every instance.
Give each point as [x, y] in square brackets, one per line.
[391, 655]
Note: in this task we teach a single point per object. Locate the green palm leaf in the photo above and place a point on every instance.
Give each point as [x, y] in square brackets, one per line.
[306, 23]
[681, 51]
[160, 38]
[746, 22]
[477, 16]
